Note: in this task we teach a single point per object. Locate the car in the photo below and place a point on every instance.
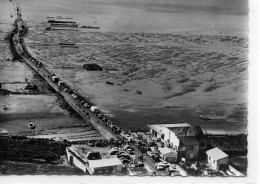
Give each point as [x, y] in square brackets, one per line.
[130, 152]
[125, 161]
[111, 125]
[86, 105]
[128, 147]
[122, 152]
[156, 158]
[115, 149]
[139, 165]
[172, 169]
[150, 153]
[125, 156]
[166, 164]
[160, 166]
[113, 152]
[99, 116]
[175, 173]
[148, 149]
[122, 134]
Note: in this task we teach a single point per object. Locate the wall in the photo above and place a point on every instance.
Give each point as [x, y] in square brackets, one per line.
[215, 165]
[170, 157]
[194, 151]
[212, 163]
[234, 171]
[76, 161]
[222, 161]
[110, 169]
[168, 135]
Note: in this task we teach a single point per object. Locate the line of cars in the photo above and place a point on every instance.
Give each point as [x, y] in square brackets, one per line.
[125, 154]
[160, 164]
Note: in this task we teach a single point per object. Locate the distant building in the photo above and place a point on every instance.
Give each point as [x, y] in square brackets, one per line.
[188, 141]
[217, 158]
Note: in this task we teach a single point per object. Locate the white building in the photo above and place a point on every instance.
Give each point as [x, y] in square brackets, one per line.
[168, 154]
[216, 158]
[108, 164]
[163, 132]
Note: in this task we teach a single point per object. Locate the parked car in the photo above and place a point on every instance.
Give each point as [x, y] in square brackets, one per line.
[122, 134]
[125, 161]
[130, 152]
[150, 153]
[122, 152]
[166, 164]
[139, 165]
[115, 149]
[128, 147]
[156, 158]
[148, 149]
[160, 166]
[99, 116]
[111, 125]
[125, 156]
[172, 169]
[113, 152]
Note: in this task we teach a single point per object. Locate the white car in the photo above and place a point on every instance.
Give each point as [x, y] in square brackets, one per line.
[115, 149]
[166, 164]
[122, 134]
[111, 125]
[150, 153]
[160, 166]
[172, 169]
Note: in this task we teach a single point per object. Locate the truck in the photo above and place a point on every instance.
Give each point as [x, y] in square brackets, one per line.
[93, 108]
[60, 83]
[54, 79]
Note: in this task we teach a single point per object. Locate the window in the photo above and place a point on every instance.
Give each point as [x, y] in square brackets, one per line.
[202, 144]
[191, 147]
[209, 158]
[191, 155]
[214, 161]
[182, 148]
[162, 136]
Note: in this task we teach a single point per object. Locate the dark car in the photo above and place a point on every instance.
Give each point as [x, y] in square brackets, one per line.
[125, 161]
[114, 152]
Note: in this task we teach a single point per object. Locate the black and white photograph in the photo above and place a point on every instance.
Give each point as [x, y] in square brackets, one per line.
[125, 88]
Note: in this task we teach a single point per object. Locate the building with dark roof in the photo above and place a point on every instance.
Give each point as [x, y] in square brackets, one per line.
[188, 141]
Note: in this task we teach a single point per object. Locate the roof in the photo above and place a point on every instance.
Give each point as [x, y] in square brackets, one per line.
[166, 150]
[105, 162]
[160, 127]
[189, 140]
[179, 131]
[194, 131]
[216, 153]
[187, 131]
